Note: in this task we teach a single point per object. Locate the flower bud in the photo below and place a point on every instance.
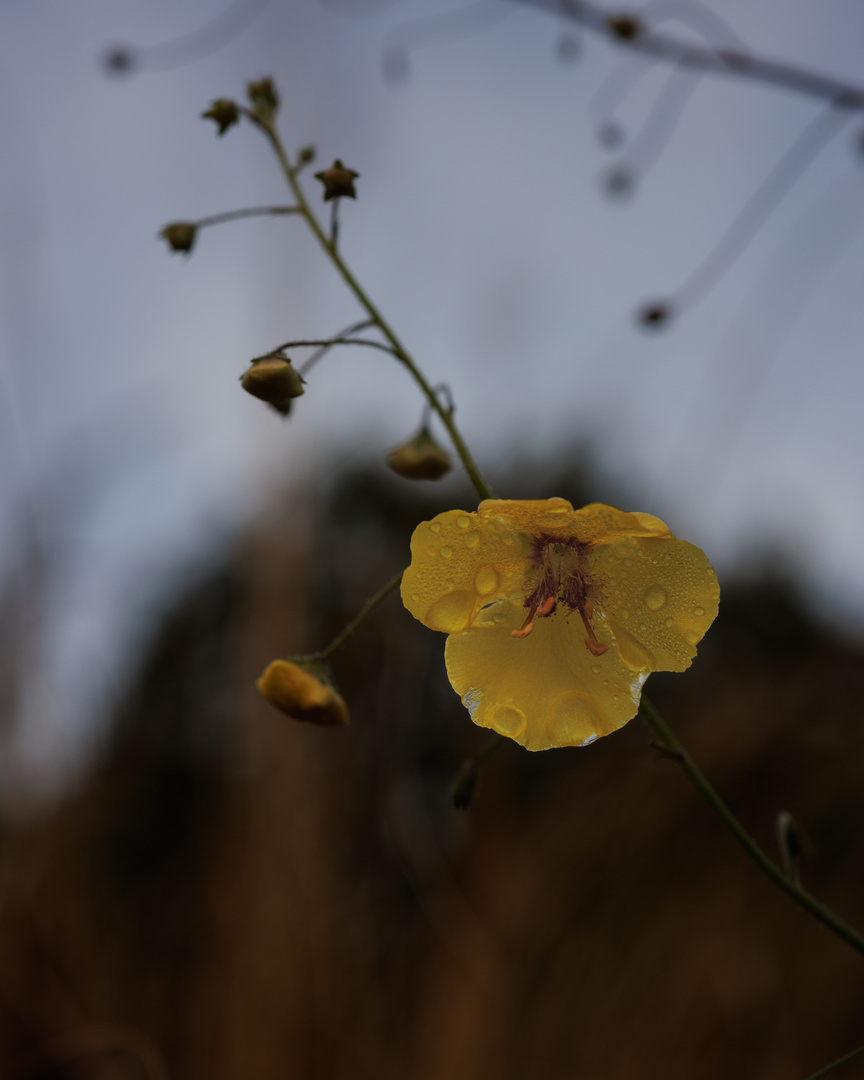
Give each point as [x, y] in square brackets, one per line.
[180, 235]
[338, 181]
[420, 458]
[275, 381]
[303, 691]
[224, 112]
[264, 98]
[306, 155]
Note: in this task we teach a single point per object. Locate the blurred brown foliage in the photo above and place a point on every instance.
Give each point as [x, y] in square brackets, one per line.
[232, 895]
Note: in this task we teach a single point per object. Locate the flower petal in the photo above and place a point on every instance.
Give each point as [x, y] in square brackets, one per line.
[546, 689]
[660, 595]
[461, 562]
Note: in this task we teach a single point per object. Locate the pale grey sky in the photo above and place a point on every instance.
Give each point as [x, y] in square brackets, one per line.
[481, 229]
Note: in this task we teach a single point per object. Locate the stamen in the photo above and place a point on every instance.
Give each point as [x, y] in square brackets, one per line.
[595, 647]
[546, 607]
[524, 631]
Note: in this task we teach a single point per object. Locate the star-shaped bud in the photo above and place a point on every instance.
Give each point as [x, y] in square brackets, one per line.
[338, 181]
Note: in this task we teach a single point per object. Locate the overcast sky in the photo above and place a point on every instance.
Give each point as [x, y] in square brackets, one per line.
[482, 229]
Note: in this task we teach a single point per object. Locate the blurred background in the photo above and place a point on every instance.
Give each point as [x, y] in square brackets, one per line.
[190, 886]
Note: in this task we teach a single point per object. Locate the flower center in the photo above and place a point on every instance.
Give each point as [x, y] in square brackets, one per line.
[561, 578]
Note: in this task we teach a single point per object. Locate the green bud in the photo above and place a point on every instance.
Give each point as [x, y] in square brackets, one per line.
[306, 155]
[225, 112]
[274, 380]
[180, 235]
[264, 98]
[420, 458]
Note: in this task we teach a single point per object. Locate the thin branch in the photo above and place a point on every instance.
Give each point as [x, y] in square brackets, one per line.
[371, 605]
[255, 211]
[834, 1064]
[713, 61]
[800, 895]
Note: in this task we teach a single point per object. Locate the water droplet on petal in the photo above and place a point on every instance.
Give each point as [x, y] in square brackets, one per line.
[446, 551]
[625, 614]
[415, 597]
[596, 669]
[558, 506]
[692, 637]
[451, 613]
[435, 526]
[508, 720]
[698, 611]
[472, 540]
[463, 522]
[655, 598]
[486, 580]
[669, 624]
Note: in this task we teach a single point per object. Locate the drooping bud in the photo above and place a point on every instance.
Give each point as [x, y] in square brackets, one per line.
[420, 458]
[274, 380]
[225, 113]
[180, 235]
[656, 315]
[338, 181]
[624, 26]
[304, 691]
[306, 155]
[264, 98]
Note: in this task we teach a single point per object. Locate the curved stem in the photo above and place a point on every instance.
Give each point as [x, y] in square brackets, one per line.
[836, 1064]
[371, 604]
[477, 479]
[670, 744]
[252, 211]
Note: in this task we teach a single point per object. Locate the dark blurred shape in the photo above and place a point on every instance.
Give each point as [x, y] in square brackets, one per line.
[119, 60]
[610, 135]
[241, 897]
[396, 66]
[568, 48]
[224, 112]
[619, 182]
[180, 236]
[624, 26]
[656, 315]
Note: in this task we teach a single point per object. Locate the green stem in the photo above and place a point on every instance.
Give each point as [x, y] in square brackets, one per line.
[481, 486]
[671, 745]
[363, 614]
[834, 1064]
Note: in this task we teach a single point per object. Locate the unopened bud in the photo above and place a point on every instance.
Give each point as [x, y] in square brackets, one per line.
[180, 235]
[624, 26]
[338, 181]
[274, 380]
[264, 98]
[420, 458]
[304, 692]
[225, 113]
[306, 155]
[656, 315]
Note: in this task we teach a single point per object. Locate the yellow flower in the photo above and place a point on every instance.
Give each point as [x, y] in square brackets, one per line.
[298, 691]
[557, 616]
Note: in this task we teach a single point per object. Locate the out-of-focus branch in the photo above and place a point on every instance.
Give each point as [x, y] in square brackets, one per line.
[712, 61]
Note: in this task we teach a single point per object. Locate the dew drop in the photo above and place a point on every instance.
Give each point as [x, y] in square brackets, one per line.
[655, 598]
[463, 522]
[415, 597]
[698, 611]
[643, 627]
[615, 697]
[625, 614]
[486, 580]
[472, 540]
[692, 637]
[508, 719]
[669, 624]
[446, 551]
[558, 506]
[451, 613]
[596, 669]
[435, 526]
[431, 549]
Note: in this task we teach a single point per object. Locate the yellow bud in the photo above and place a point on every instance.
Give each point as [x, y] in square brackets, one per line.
[275, 381]
[297, 690]
[420, 458]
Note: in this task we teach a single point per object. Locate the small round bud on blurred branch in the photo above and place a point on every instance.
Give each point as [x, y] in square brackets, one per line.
[264, 99]
[656, 315]
[119, 60]
[306, 156]
[180, 235]
[225, 113]
[304, 691]
[624, 26]
[274, 380]
[338, 181]
[420, 458]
